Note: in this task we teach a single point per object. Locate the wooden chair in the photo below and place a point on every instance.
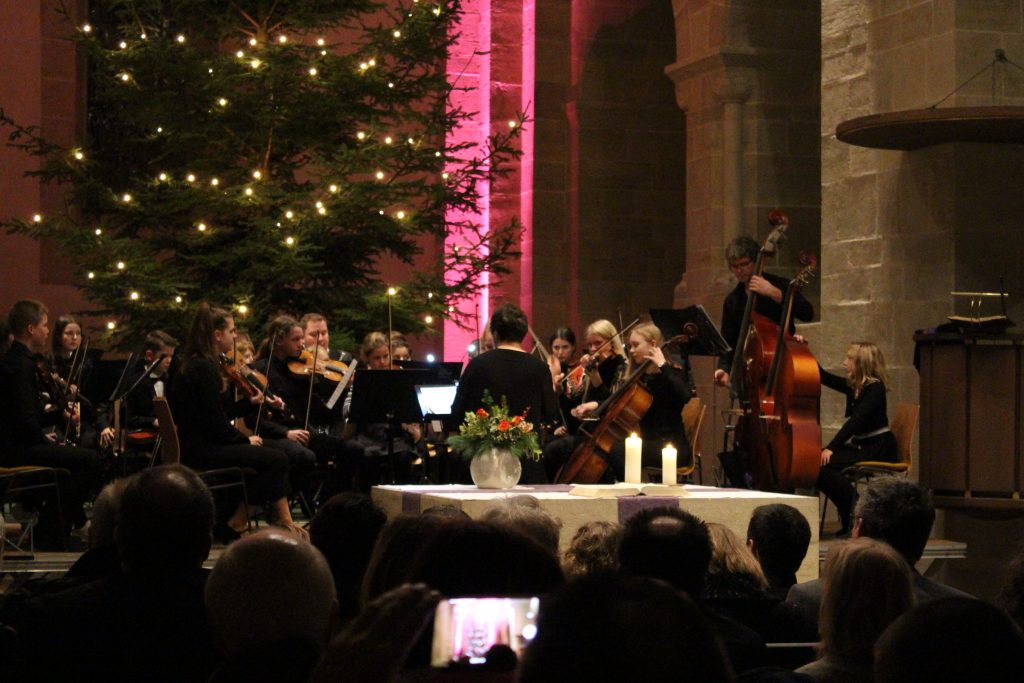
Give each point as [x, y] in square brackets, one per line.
[25, 479]
[170, 454]
[903, 426]
[693, 421]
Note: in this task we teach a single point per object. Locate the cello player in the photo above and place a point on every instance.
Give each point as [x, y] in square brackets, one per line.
[741, 255]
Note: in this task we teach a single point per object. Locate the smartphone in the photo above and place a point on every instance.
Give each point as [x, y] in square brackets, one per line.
[465, 629]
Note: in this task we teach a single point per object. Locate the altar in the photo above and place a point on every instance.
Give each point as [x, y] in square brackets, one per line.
[730, 507]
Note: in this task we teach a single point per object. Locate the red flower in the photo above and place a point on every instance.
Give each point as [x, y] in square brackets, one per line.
[516, 420]
[481, 413]
[503, 426]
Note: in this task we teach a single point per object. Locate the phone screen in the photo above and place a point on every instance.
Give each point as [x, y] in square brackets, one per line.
[465, 629]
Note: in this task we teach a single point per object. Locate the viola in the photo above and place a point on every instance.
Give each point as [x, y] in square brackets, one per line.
[304, 365]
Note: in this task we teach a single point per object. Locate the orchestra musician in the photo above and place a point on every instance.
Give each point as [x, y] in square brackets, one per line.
[563, 348]
[671, 386]
[67, 358]
[741, 255]
[24, 437]
[204, 407]
[306, 443]
[314, 324]
[400, 349]
[865, 435]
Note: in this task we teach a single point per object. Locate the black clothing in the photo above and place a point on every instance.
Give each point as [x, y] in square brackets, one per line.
[203, 410]
[736, 301]
[138, 404]
[865, 414]
[739, 597]
[522, 379]
[287, 661]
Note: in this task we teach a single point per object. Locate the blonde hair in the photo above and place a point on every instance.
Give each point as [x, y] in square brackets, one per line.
[866, 585]
[650, 333]
[729, 555]
[373, 341]
[604, 328]
[868, 365]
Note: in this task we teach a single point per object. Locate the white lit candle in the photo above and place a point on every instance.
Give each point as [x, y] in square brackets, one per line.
[634, 449]
[668, 465]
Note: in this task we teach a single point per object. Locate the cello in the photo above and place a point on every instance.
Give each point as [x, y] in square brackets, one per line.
[784, 406]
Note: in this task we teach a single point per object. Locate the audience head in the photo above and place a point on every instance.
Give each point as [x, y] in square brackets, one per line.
[105, 511]
[166, 521]
[606, 627]
[508, 324]
[478, 558]
[345, 529]
[525, 515]
[267, 588]
[779, 536]
[398, 544]
[730, 556]
[668, 544]
[445, 512]
[950, 640]
[897, 511]
[594, 548]
[866, 585]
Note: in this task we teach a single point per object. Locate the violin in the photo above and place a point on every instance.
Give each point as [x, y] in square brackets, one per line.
[51, 383]
[304, 365]
[249, 381]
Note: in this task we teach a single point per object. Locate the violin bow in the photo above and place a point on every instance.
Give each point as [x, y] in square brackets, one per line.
[266, 389]
[312, 376]
[538, 345]
[77, 367]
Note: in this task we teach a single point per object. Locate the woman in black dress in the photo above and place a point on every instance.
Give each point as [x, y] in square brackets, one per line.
[865, 435]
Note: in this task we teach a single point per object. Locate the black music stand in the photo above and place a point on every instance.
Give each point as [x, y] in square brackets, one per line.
[693, 321]
[387, 396]
[444, 372]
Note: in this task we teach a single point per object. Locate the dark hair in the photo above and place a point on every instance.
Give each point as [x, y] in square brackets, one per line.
[952, 639]
[157, 340]
[607, 627]
[165, 521]
[563, 333]
[277, 330]
[345, 529]
[24, 313]
[669, 544]
[397, 545]
[199, 341]
[899, 512]
[57, 338]
[594, 548]
[781, 536]
[508, 324]
[5, 335]
[742, 246]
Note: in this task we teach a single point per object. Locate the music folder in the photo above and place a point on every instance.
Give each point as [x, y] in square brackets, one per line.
[693, 321]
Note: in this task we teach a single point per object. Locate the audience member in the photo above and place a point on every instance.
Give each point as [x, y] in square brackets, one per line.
[101, 559]
[779, 536]
[605, 627]
[525, 515]
[345, 530]
[398, 543]
[948, 641]
[594, 548]
[674, 546]
[271, 605]
[865, 586]
[148, 622]
[899, 512]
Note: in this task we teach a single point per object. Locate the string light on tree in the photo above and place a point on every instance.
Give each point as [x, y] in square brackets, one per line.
[380, 175]
[214, 181]
[86, 28]
[79, 155]
[320, 42]
[180, 38]
[191, 177]
[37, 218]
[201, 227]
[124, 76]
[360, 135]
[387, 140]
[257, 174]
[91, 275]
[243, 309]
[289, 214]
[282, 39]
[177, 299]
[312, 71]
[162, 177]
[120, 265]
[123, 45]
[99, 231]
[240, 54]
[290, 241]
[428, 319]
[134, 296]
[333, 188]
[111, 324]
[254, 42]
[126, 198]
[223, 101]
[248, 192]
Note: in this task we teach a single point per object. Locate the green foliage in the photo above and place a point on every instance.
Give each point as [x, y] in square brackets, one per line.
[492, 427]
[222, 163]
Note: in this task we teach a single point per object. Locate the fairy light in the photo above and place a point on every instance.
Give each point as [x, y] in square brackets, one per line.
[430, 357]
[255, 63]
[123, 45]
[177, 299]
[391, 84]
[396, 33]
[243, 309]
[437, 154]
[37, 218]
[134, 296]
[363, 66]
[248, 192]
[289, 214]
[120, 265]
[372, 62]
[126, 198]
[381, 212]
[319, 205]
[79, 155]
[360, 135]
[428, 319]
[322, 211]
[214, 181]
[98, 231]
[323, 53]
[388, 140]
[445, 175]
[333, 188]
[253, 42]
[162, 177]
[410, 141]
[437, 11]
[451, 309]
[191, 177]
[210, 71]
[257, 174]
[400, 215]
[282, 39]
[430, 295]
[180, 38]
[159, 129]
[86, 28]
[392, 291]
[111, 324]
[91, 275]
[223, 101]
[240, 54]
[142, 36]
[380, 175]
[320, 42]
[289, 240]
[124, 76]
[312, 71]
[512, 124]
[201, 227]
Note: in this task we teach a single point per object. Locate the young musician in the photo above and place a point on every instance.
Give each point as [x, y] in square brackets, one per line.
[24, 437]
[741, 255]
[865, 435]
[204, 407]
[314, 324]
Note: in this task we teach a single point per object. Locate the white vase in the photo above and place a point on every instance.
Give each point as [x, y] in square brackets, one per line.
[496, 469]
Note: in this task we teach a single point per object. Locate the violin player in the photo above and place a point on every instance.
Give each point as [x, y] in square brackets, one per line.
[23, 419]
[140, 416]
[741, 255]
[204, 406]
[314, 326]
[305, 443]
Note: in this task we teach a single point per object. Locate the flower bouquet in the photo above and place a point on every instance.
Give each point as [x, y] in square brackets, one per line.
[491, 428]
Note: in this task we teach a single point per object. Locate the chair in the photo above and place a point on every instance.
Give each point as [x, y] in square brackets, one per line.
[170, 454]
[903, 427]
[18, 480]
[693, 422]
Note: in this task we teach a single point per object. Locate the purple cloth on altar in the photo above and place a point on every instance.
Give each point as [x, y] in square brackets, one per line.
[411, 498]
[631, 505]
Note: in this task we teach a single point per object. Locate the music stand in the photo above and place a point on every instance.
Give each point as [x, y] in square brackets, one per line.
[387, 396]
[693, 321]
[444, 372]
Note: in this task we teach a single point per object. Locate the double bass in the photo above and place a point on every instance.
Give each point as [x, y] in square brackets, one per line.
[775, 379]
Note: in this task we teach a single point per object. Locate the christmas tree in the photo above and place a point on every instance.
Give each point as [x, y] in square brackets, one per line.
[265, 155]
